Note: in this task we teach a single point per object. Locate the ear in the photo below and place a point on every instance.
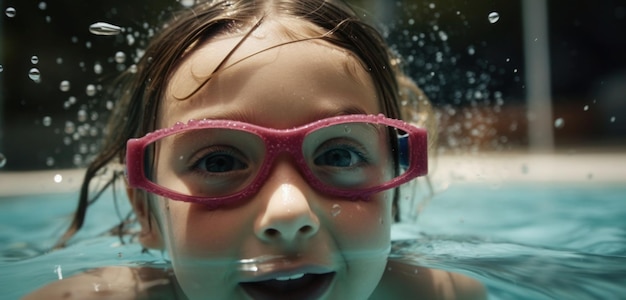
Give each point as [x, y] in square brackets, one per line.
[150, 235]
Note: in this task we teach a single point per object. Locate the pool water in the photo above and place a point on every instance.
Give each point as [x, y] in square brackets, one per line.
[523, 240]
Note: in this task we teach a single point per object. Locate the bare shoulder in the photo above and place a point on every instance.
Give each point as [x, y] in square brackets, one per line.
[403, 281]
[110, 283]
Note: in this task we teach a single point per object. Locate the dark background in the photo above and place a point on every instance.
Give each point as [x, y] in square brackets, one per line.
[472, 70]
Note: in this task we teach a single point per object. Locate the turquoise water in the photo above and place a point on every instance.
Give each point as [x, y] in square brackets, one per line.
[524, 241]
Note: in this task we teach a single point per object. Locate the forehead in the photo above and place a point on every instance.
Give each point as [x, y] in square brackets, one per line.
[267, 60]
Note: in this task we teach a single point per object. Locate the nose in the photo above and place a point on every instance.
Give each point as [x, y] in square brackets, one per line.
[287, 215]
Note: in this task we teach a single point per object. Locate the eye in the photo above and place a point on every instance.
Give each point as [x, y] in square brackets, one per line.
[220, 162]
[339, 157]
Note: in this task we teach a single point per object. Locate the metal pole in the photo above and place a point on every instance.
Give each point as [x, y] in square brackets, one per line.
[537, 75]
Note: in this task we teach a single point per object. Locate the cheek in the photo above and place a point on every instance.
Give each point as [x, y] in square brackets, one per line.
[363, 224]
[193, 231]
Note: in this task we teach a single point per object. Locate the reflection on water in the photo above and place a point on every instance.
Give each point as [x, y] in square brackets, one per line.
[544, 242]
[518, 271]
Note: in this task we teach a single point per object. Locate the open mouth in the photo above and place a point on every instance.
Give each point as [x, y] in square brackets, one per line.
[296, 286]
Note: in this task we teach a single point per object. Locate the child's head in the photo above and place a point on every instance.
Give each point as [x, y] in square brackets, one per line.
[278, 65]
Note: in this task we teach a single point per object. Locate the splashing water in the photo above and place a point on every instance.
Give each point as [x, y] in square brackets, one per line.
[64, 86]
[559, 123]
[34, 74]
[493, 17]
[335, 210]
[10, 12]
[102, 28]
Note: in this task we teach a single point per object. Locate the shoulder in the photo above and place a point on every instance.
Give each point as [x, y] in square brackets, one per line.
[108, 283]
[404, 281]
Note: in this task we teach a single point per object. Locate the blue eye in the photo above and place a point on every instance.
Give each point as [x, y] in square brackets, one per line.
[220, 163]
[345, 157]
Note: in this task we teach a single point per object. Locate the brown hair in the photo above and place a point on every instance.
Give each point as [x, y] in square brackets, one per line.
[140, 92]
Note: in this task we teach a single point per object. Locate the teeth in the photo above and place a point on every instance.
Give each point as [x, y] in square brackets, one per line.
[292, 277]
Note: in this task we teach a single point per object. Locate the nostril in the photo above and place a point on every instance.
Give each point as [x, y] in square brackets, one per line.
[306, 229]
[272, 233]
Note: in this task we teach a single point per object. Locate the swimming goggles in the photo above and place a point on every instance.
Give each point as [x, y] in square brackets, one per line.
[216, 162]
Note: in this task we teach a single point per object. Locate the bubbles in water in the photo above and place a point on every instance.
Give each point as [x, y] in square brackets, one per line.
[120, 57]
[102, 28]
[493, 17]
[1, 68]
[47, 121]
[613, 119]
[10, 12]
[43, 5]
[335, 210]
[50, 161]
[34, 74]
[3, 160]
[586, 108]
[34, 59]
[64, 86]
[559, 123]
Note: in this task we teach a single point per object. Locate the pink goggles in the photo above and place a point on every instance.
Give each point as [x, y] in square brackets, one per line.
[217, 162]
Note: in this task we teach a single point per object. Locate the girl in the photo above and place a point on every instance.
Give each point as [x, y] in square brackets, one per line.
[263, 153]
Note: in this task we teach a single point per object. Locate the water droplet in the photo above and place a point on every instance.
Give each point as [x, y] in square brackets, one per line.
[58, 271]
[443, 36]
[10, 12]
[3, 160]
[613, 119]
[43, 5]
[335, 210]
[471, 50]
[47, 121]
[102, 28]
[493, 17]
[431, 5]
[34, 74]
[559, 123]
[90, 90]
[97, 68]
[64, 86]
[120, 57]
[524, 169]
[77, 160]
[58, 178]
[50, 161]
[586, 108]
[69, 127]
[82, 116]
[187, 3]
[34, 59]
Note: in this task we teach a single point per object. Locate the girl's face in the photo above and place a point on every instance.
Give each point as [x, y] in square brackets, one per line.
[288, 239]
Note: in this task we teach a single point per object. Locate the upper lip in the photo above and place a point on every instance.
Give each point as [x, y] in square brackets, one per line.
[284, 273]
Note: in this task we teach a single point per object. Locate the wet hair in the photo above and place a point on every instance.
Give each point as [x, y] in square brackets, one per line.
[140, 92]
